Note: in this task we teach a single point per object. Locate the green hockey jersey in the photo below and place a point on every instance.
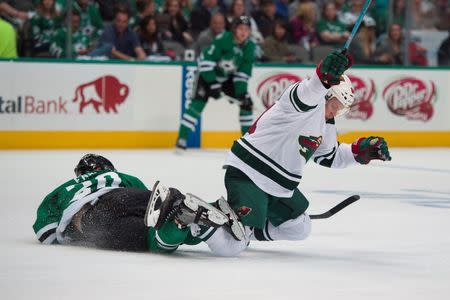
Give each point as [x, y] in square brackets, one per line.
[58, 207]
[43, 29]
[224, 59]
[80, 42]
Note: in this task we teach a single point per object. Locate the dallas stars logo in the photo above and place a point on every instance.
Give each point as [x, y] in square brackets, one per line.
[308, 145]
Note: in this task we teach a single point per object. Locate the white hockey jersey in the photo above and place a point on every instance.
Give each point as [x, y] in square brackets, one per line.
[275, 150]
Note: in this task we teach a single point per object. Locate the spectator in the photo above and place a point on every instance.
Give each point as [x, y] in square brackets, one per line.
[443, 14]
[363, 46]
[43, 26]
[265, 17]
[390, 51]
[380, 11]
[349, 18]
[178, 28]
[398, 12]
[423, 15]
[186, 9]
[108, 7]
[444, 52]
[331, 31]
[11, 12]
[119, 41]
[303, 26]
[91, 23]
[144, 8]
[206, 37]
[150, 38]
[341, 7]
[200, 17]
[81, 43]
[237, 9]
[8, 48]
[275, 46]
[282, 9]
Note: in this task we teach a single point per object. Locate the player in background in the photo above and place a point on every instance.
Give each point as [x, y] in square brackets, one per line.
[225, 66]
[264, 167]
[103, 208]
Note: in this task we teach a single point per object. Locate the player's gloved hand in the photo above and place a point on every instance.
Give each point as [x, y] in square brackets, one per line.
[373, 147]
[245, 101]
[332, 67]
[214, 89]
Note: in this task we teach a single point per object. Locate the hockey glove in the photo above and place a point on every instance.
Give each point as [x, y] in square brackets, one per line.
[214, 89]
[373, 147]
[246, 102]
[332, 67]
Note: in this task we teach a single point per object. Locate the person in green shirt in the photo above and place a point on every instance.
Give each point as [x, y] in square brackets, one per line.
[107, 209]
[225, 66]
[331, 31]
[8, 46]
[91, 22]
[44, 25]
[81, 43]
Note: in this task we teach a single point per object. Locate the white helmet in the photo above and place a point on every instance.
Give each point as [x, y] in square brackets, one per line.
[344, 93]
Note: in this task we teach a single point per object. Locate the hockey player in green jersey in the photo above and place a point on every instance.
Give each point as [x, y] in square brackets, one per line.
[106, 209]
[225, 66]
[265, 166]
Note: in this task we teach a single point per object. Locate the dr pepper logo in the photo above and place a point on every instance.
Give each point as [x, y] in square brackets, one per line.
[106, 91]
[364, 91]
[410, 97]
[271, 88]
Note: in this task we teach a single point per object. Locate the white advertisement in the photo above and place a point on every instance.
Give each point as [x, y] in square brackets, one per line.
[89, 96]
[395, 100]
[38, 96]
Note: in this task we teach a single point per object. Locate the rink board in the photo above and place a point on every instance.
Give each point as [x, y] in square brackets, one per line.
[67, 105]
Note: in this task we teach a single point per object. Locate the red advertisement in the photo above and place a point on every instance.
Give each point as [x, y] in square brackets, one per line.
[410, 97]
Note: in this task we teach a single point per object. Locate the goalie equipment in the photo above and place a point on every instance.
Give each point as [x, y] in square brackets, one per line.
[167, 204]
[344, 93]
[91, 163]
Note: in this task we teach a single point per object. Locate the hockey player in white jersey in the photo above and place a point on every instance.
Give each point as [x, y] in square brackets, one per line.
[265, 166]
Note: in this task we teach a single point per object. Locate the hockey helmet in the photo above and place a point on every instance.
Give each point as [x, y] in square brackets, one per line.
[242, 20]
[91, 163]
[344, 93]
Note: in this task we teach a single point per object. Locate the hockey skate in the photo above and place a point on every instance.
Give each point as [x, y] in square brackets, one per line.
[168, 203]
[181, 145]
[233, 226]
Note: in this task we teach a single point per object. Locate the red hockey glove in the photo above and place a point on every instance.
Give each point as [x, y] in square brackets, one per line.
[332, 67]
[373, 147]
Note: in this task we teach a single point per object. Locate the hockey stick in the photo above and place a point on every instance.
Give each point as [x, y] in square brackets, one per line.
[356, 26]
[336, 208]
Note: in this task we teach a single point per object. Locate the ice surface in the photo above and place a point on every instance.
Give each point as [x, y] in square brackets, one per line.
[392, 244]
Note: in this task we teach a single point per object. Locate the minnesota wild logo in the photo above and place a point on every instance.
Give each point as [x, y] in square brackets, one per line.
[308, 145]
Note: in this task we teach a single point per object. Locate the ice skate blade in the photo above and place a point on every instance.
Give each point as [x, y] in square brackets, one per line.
[158, 196]
[236, 227]
[212, 214]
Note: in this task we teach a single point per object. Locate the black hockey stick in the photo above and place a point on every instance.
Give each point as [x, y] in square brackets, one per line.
[337, 208]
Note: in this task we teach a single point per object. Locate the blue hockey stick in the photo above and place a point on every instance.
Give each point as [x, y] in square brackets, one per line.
[356, 26]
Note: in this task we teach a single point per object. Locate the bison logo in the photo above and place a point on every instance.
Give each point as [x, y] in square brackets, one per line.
[410, 97]
[364, 91]
[106, 91]
[271, 88]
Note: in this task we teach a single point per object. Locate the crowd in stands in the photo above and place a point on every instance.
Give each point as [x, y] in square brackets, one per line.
[285, 31]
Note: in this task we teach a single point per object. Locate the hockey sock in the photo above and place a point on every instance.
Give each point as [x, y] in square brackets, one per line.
[190, 118]
[245, 119]
[167, 238]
